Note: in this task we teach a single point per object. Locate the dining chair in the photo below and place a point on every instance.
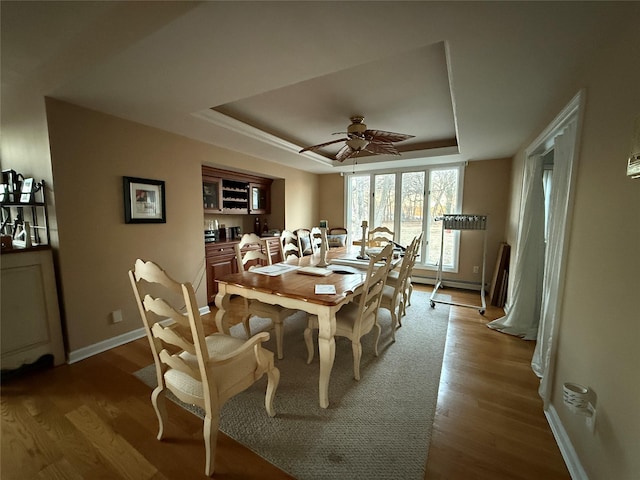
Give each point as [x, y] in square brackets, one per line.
[357, 318]
[379, 236]
[288, 245]
[304, 241]
[337, 237]
[198, 370]
[393, 294]
[392, 278]
[256, 253]
[316, 240]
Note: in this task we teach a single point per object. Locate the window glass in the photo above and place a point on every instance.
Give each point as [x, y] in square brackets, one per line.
[385, 200]
[411, 207]
[358, 195]
[399, 204]
[444, 194]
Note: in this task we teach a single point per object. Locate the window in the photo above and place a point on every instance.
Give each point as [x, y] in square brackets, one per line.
[397, 199]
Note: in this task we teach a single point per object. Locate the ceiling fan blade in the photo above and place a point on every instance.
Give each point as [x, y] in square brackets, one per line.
[316, 147]
[382, 136]
[381, 148]
[344, 153]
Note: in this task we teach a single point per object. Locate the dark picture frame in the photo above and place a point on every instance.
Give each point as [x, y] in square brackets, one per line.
[144, 200]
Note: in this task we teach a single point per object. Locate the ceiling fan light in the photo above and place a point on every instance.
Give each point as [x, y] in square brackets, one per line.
[357, 144]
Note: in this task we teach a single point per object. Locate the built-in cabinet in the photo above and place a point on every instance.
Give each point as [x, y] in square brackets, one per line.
[221, 260]
[234, 193]
[211, 194]
[31, 327]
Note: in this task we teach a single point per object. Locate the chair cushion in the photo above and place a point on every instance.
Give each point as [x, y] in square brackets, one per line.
[337, 240]
[218, 344]
[306, 245]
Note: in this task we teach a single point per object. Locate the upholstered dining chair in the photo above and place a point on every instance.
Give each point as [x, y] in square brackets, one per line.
[256, 251]
[288, 245]
[392, 278]
[393, 296]
[379, 236]
[304, 241]
[337, 237]
[199, 370]
[357, 318]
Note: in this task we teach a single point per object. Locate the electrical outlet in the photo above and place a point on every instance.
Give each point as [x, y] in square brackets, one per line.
[476, 269]
[116, 316]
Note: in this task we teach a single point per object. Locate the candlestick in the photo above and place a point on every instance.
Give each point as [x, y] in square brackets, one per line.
[323, 247]
[363, 253]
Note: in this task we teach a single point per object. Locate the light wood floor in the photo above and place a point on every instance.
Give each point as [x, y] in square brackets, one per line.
[94, 420]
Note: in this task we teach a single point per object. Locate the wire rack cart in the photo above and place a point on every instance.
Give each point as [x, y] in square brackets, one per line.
[462, 222]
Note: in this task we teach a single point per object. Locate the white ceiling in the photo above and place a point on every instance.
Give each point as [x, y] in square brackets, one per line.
[472, 81]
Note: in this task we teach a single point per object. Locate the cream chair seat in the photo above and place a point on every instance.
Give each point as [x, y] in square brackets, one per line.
[199, 370]
[257, 251]
[357, 318]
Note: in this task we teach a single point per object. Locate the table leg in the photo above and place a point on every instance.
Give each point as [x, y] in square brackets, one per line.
[222, 303]
[327, 351]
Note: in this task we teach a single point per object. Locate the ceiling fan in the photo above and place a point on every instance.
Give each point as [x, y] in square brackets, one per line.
[359, 138]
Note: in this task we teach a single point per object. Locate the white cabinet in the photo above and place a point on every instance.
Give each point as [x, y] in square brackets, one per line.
[30, 315]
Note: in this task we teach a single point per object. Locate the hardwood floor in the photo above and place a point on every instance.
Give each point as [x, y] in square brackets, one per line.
[94, 419]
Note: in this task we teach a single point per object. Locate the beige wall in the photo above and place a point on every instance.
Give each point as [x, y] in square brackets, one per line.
[486, 192]
[600, 316]
[91, 152]
[331, 206]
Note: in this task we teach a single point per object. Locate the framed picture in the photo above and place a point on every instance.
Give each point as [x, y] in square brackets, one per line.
[26, 193]
[144, 200]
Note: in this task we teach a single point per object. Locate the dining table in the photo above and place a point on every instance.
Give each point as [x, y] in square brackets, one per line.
[288, 285]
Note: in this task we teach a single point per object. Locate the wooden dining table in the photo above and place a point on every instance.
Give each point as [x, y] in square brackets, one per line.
[294, 290]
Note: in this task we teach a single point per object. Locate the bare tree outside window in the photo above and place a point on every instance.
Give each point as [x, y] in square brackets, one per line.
[409, 191]
[360, 195]
[385, 198]
[443, 198]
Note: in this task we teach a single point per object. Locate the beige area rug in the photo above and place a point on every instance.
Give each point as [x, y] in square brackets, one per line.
[377, 428]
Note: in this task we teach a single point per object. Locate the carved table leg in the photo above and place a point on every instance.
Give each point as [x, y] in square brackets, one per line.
[327, 350]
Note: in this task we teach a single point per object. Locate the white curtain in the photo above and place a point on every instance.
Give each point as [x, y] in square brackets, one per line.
[559, 205]
[524, 314]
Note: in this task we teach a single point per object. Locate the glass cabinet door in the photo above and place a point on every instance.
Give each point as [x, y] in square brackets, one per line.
[212, 194]
[259, 198]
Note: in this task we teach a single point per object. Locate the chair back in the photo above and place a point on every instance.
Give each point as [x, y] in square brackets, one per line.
[171, 333]
[374, 284]
[337, 237]
[288, 245]
[380, 236]
[257, 252]
[305, 245]
[416, 252]
[316, 240]
[405, 267]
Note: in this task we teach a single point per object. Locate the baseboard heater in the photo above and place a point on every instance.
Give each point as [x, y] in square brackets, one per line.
[463, 284]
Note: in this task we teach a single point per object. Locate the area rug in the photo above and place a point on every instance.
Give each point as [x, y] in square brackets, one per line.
[378, 427]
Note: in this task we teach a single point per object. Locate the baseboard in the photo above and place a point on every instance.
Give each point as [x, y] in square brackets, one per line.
[576, 470]
[463, 284]
[96, 348]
